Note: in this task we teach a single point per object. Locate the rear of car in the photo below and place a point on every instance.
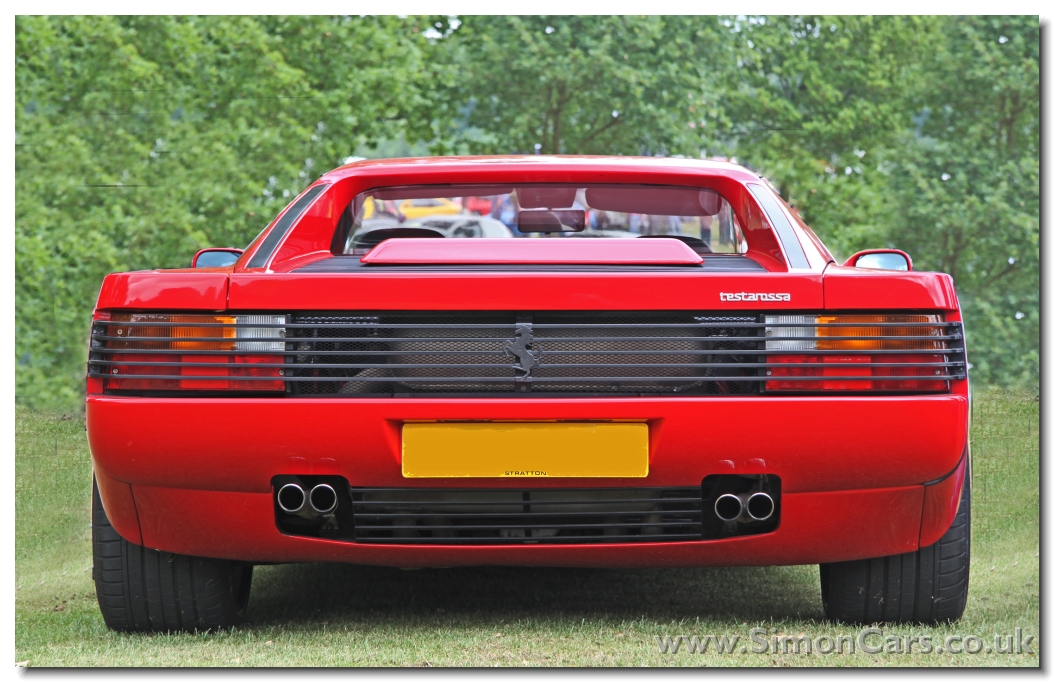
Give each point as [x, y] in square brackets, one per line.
[656, 364]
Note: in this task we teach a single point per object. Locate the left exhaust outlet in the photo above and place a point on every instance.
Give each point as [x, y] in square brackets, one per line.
[323, 498]
[291, 498]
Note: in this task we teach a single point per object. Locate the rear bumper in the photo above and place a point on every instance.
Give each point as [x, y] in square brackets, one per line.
[198, 471]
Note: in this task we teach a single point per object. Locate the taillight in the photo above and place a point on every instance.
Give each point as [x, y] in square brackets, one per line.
[173, 352]
[858, 353]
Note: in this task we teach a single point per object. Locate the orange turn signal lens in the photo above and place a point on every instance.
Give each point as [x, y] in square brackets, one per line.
[148, 331]
[877, 332]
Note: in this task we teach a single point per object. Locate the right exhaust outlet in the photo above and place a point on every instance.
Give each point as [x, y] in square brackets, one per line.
[760, 506]
[323, 498]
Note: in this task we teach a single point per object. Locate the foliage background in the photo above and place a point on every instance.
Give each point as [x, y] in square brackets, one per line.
[141, 139]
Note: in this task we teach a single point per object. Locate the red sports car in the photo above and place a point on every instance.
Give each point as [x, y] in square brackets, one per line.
[664, 367]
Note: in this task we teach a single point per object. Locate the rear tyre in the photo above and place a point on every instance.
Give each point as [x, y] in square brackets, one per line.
[144, 590]
[928, 586]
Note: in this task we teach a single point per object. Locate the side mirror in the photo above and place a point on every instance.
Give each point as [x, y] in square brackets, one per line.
[880, 259]
[215, 258]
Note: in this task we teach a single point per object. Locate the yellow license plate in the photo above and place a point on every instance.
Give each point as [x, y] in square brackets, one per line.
[525, 450]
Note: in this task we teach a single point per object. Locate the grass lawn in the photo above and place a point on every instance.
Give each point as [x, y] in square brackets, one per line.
[322, 614]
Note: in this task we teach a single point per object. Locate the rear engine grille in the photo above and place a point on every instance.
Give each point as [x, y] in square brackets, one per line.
[460, 516]
[444, 353]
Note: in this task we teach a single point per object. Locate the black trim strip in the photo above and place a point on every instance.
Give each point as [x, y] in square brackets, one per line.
[791, 246]
[745, 351]
[537, 379]
[966, 453]
[510, 325]
[278, 232]
[485, 339]
[573, 539]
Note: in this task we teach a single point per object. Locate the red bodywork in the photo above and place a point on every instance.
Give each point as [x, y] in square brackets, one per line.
[862, 475]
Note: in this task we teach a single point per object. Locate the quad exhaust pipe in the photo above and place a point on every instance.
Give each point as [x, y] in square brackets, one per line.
[321, 500]
[291, 498]
[760, 506]
[728, 507]
[745, 507]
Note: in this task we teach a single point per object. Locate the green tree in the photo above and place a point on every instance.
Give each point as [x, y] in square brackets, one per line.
[964, 186]
[142, 139]
[812, 105]
[575, 85]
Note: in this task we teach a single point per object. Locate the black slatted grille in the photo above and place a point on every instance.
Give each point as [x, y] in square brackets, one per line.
[460, 516]
[538, 353]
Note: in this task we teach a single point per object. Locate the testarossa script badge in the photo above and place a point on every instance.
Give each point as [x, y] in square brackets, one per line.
[754, 296]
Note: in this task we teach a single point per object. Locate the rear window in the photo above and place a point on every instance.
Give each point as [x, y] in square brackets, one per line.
[701, 218]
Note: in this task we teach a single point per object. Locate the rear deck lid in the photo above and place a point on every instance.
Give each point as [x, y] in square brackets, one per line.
[532, 252]
[523, 287]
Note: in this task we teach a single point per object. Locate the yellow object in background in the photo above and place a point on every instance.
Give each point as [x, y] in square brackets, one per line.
[422, 208]
[525, 450]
